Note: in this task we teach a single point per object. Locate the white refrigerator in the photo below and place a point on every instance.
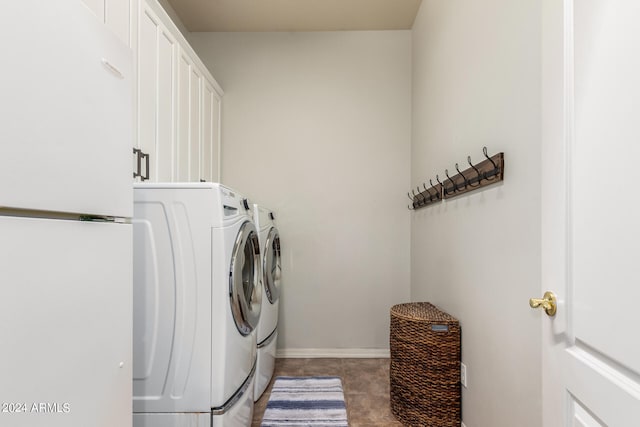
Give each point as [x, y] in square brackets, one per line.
[65, 209]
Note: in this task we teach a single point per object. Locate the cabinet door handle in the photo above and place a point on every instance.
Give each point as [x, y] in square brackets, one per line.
[145, 177]
[136, 173]
[139, 156]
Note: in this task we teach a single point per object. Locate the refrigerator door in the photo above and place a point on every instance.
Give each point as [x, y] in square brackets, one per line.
[66, 109]
[65, 323]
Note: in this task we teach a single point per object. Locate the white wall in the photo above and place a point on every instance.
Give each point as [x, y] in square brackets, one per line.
[476, 82]
[317, 127]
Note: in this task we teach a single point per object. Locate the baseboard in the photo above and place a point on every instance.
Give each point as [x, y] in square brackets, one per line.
[339, 353]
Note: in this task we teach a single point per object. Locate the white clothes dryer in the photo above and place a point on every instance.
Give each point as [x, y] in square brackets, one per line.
[197, 301]
[271, 281]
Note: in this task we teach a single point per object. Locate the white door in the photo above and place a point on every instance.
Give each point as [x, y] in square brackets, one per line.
[591, 231]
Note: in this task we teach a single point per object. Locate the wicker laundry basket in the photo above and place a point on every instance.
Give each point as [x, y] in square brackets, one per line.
[425, 366]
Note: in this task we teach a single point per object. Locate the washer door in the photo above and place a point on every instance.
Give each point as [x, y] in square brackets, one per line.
[244, 279]
[271, 269]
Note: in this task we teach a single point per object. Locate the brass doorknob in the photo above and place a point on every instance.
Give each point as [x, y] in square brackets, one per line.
[548, 302]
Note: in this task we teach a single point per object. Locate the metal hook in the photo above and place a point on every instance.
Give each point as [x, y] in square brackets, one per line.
[424, 197]
[416, 198]
[413, 201]
[463, 177]
[494, 172]
[428, 192]
[420, 196]
[441, 185]
[431, 195]
[453, 184]
[477, 171]
[484, 151]
[433, 186]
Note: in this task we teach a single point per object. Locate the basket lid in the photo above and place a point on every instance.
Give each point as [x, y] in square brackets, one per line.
[421, 311]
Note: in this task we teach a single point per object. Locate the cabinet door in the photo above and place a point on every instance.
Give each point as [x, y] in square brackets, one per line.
[97, 7]
[117, 17]
[157, 50]
[190, 83]
[184, 94]
[210, 149]
[115, 14]
[195, 121]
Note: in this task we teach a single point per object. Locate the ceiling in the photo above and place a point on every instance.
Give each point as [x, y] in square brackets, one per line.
[296, 15]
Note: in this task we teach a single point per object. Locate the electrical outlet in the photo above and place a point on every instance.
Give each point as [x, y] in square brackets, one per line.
[463, 374]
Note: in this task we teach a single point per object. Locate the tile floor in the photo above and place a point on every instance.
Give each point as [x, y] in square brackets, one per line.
[365, 383]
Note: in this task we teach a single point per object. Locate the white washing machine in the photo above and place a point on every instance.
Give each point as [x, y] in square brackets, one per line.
[271, 280]
[197, 301]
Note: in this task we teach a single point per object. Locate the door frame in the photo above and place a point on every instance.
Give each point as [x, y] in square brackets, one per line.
[554, 204]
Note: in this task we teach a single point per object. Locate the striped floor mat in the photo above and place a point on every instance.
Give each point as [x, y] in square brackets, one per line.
[306, 401]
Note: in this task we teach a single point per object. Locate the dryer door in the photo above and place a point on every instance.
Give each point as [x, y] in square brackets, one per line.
[244, 279]
[271, 266]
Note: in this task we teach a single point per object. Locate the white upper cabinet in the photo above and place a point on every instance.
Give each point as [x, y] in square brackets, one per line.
[195, 123]
[178, 102]
[182, 148]
[210, 151]
[116, 15]
[189, 119]
[157, 51]
[97, 7]
[198, 150]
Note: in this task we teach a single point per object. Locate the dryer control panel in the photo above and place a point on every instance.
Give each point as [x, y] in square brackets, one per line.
[234, 203]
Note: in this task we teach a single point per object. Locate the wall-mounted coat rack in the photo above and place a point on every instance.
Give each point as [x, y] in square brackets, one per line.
[487, 172]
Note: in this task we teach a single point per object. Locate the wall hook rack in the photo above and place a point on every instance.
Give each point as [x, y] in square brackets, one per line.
[487, 172]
